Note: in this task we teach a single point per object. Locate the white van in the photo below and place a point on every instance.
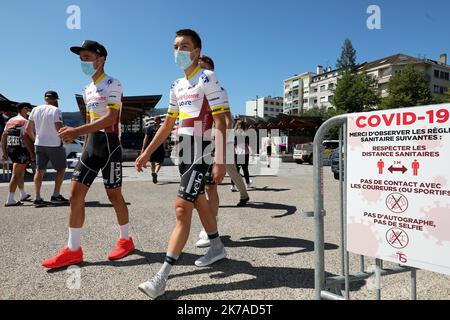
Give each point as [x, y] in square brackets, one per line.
[304, 152]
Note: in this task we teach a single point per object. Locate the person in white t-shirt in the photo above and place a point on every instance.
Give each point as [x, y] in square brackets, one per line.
[267, 145]
[46, 120]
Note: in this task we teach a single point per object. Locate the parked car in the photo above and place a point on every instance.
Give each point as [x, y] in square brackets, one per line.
[304, 152]
[72, 149]
[335, 163]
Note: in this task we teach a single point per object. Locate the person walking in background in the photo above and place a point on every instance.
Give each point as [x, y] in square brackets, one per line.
[17, 146]
[46, 121]
[211, 188]
[157, 158]
[208, 64]
[242, 152]
[267, 145]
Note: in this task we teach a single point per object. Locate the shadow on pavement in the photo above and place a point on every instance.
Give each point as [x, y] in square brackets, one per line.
[97, 204]
[165, 183]
[261, 278]
[275, 242]
[146, 258]
[290, 210]
[267, 189]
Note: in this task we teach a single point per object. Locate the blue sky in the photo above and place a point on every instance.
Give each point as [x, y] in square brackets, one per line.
[255, 44]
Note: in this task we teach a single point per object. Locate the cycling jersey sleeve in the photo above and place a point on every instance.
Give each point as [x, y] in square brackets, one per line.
[115, 91]
[8, 126]
[215, 94]
[173, 110]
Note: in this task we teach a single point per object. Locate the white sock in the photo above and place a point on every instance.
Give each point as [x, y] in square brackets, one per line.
[23, 194]
[124, 231]
[11, 199]
[74, 239]
[169, 262]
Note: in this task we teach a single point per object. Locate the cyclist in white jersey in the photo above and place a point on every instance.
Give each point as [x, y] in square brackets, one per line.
[197, 100]
[102, 151]
[211, 188]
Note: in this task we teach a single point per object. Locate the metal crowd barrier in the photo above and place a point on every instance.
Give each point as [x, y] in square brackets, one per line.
[330, 288]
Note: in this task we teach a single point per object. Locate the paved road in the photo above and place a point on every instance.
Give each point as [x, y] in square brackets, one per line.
[270, 246]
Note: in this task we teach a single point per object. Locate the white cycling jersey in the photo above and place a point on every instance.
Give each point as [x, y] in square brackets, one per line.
[103, 94]
[196, 98]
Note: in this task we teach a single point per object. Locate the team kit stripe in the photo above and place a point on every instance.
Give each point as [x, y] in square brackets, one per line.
[114, 106]
[220, 110]
[172, 114]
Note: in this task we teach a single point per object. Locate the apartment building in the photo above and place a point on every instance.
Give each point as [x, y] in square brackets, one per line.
[264, 107]
[315, 90]
[297, 93]
[437, 73]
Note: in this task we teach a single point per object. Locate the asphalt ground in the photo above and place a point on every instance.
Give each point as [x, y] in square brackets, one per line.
[270, 246]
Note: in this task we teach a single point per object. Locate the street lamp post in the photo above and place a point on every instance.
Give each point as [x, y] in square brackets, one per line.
[256, 109]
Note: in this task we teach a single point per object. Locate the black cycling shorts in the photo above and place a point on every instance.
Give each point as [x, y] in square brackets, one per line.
[195, 161]
[209, 174]
[104, 153]
[18, 155]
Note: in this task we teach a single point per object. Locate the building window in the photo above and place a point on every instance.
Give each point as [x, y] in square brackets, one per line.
[436, 73]
[331, 86]
[266, 109]
[330, 98]
[323, 99]
[443, 90]
[315, 90]
[446, 76]
[323, 88]
[436, 89]
[315, 101]
[305, 101]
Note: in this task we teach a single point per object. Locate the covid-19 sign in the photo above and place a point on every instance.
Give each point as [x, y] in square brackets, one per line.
[398, 186]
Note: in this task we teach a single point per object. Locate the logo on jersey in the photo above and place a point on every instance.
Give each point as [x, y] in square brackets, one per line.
[185, 103]
[204, 78]
[174, 84]
[190, 96]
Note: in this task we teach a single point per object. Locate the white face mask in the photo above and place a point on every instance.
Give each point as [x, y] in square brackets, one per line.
[88, 68]
[183, 59]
